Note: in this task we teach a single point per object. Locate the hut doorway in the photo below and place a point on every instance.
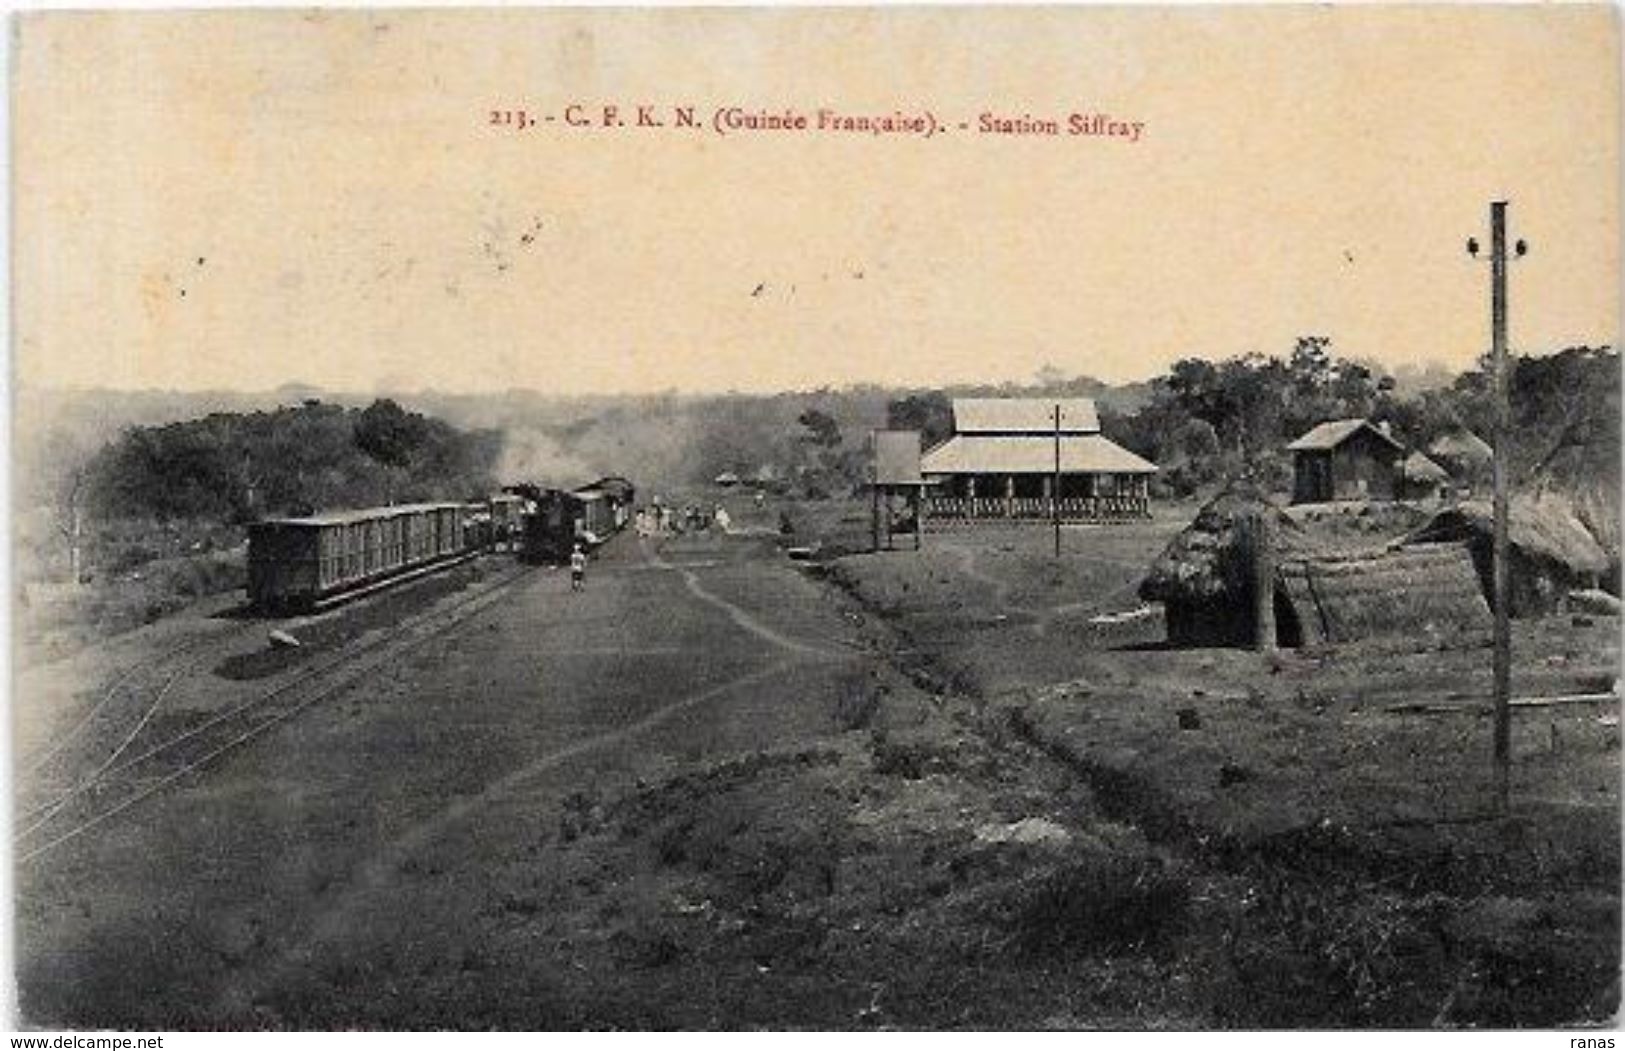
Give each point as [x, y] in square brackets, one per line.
[1288, 630]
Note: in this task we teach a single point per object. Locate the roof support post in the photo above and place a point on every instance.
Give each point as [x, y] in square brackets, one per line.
[874, 515]
[1055, 487]
[921, 509]
[1263, 581]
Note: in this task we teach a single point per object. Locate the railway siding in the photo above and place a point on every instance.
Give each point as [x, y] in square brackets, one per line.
[174, 733]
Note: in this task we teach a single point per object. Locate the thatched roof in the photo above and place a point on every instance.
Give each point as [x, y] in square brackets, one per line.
[1424, 591]
[1209, 558]
[1543, 529]
[1463, 446]
[1338, 577]
[1418, 468]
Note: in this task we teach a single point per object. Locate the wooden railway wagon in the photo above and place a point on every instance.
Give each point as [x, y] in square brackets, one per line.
[477, 531]
[507, 511]
[597, 515]
[302, 563]
[617, 493]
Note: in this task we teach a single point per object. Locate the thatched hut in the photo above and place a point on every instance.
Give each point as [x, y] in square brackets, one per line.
[1204, 578]
[1329, 587]
[1465, 455]
[1419, 478]
[1550, 552]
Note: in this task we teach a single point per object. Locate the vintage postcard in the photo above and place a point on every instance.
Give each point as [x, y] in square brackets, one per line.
[868, 518]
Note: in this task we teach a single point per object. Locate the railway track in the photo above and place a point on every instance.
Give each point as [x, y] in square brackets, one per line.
[154, 674]
[32, 810]
[144, 763]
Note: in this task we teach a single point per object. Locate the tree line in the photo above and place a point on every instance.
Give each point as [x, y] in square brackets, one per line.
[1202, 422]
[1207, 421]
[235, 467]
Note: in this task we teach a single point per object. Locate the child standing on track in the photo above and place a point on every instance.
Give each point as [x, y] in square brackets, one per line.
[578, 569]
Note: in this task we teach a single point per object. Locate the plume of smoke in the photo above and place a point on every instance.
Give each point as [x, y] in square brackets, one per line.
[655, 441]
[534, 456]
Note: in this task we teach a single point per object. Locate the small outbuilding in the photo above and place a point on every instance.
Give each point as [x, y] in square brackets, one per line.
[767, 477]
[1550, 553]
[1345, 460]
[1467, 457]
[1419, 478]
[897, 479]
[1204, 578]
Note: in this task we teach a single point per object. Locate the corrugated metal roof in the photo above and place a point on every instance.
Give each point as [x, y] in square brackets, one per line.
[327, 518]
[897, 458]
[1032, 454]
[1024, 415]
[1332, 433]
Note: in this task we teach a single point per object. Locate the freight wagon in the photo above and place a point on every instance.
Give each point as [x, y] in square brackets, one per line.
[597, 522]
[477, 531]
[507, 511]
[617, 493]
[302, 563]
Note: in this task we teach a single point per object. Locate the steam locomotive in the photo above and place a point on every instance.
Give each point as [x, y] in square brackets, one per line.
[560, 519]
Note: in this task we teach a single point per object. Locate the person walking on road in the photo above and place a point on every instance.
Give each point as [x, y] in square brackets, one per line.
[578, 569]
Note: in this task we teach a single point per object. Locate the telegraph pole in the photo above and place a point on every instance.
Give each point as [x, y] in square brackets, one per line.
[1501, 439]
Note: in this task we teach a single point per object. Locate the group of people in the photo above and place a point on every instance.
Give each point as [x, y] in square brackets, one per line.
[659, 520]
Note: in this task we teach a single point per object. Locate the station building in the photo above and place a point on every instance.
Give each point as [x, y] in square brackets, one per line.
[1027, 458]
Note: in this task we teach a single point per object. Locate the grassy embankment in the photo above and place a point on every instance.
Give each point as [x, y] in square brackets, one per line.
[1341, 859]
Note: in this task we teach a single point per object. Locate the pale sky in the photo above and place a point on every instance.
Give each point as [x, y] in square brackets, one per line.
[237, 199]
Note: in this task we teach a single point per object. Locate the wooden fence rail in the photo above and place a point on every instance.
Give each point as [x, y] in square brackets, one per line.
[948, 509]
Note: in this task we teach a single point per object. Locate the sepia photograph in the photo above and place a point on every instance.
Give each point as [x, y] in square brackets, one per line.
[877, 518]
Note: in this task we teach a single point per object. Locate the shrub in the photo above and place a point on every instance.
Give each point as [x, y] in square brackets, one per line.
[1106, 904]
[857, 701]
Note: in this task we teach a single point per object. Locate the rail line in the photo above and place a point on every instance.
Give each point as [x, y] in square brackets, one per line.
[122, 683]
[52, 805]
[118, 786]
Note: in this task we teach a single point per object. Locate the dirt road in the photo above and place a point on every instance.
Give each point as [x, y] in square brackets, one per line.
[354, 834]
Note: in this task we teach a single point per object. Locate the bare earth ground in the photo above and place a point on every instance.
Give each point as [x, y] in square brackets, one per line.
[716, 790]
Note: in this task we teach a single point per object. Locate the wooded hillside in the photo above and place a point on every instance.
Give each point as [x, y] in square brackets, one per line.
[235, 467]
